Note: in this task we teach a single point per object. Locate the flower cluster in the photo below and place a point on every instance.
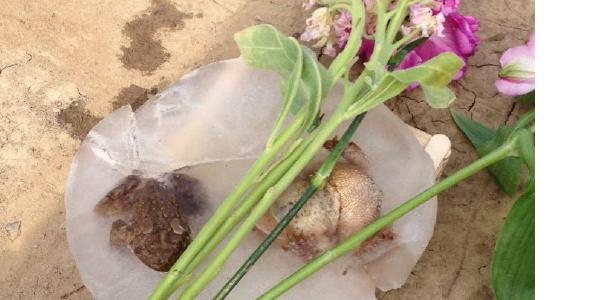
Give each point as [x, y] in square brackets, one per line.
[331, 28]
[438, 20]
[455, 33]
[318, 28]
[423, 18]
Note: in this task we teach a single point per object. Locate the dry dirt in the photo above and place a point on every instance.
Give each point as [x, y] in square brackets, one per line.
[64, 66]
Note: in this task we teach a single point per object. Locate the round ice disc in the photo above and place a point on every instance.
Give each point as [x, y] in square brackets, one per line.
[212, 124]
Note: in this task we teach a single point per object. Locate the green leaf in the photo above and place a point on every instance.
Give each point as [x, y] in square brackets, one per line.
[304, 81]
[508, 172]
[527, 98]
[387, 88]
[438, 97]
[526, 148]
[263, 46]
[289, 91]
[315, 80]
[433, 76]
[513, 263]
[435, 73]
[475, 132]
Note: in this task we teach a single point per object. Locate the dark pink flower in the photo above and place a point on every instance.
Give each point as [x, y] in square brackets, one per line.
[458, 36]
[366, 49]
[449, 6]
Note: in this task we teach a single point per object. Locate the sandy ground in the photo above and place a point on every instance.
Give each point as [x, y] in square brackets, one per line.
[64, 66]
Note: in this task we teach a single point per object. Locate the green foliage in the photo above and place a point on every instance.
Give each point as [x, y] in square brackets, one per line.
[438, 97]
[526, 149]
[437, 71]
[316, 81]
[513, 266]
[513, 262]
[434, 74]
[475, 132]
[508, 172]
[527, 98]
[304, 81]
[263, 46]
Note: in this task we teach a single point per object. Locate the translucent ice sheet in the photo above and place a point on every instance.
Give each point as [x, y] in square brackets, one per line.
[211, 124]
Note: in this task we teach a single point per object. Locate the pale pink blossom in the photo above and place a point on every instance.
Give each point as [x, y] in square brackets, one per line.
[517, 76]
[422, 17]
[318, 27]
[342, 26]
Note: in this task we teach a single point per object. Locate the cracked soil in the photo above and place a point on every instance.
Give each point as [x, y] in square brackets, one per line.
[64, 66]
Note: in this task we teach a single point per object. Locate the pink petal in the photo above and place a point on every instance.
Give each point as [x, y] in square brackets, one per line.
[410, 60]
[531, 42]
[522, 52]
[450, 6]
[366, 49]
[514, 88]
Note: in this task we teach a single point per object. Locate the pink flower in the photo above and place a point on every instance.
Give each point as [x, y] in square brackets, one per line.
[366, 49]
[448, 6]
[458, 35]
[342, 25]
[517, 76]
[422, 17]
[453, 32]
[318, 27]
[327, 30]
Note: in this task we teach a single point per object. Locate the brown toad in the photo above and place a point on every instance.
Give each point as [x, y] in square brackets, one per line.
[152, 216]
[348, 201]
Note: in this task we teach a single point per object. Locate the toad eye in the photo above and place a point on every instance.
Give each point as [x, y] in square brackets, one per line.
[177, 227]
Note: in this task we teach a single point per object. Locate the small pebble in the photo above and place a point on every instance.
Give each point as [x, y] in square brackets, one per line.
[13, 229]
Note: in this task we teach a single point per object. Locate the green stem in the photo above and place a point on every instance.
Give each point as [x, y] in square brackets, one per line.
[381, 26]
[322, 134]
[319, 177]
[525, 120]
[400, 14]
[355, 240]
[404, 39]
[164, 289]
[316, 182]
[272, 177]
